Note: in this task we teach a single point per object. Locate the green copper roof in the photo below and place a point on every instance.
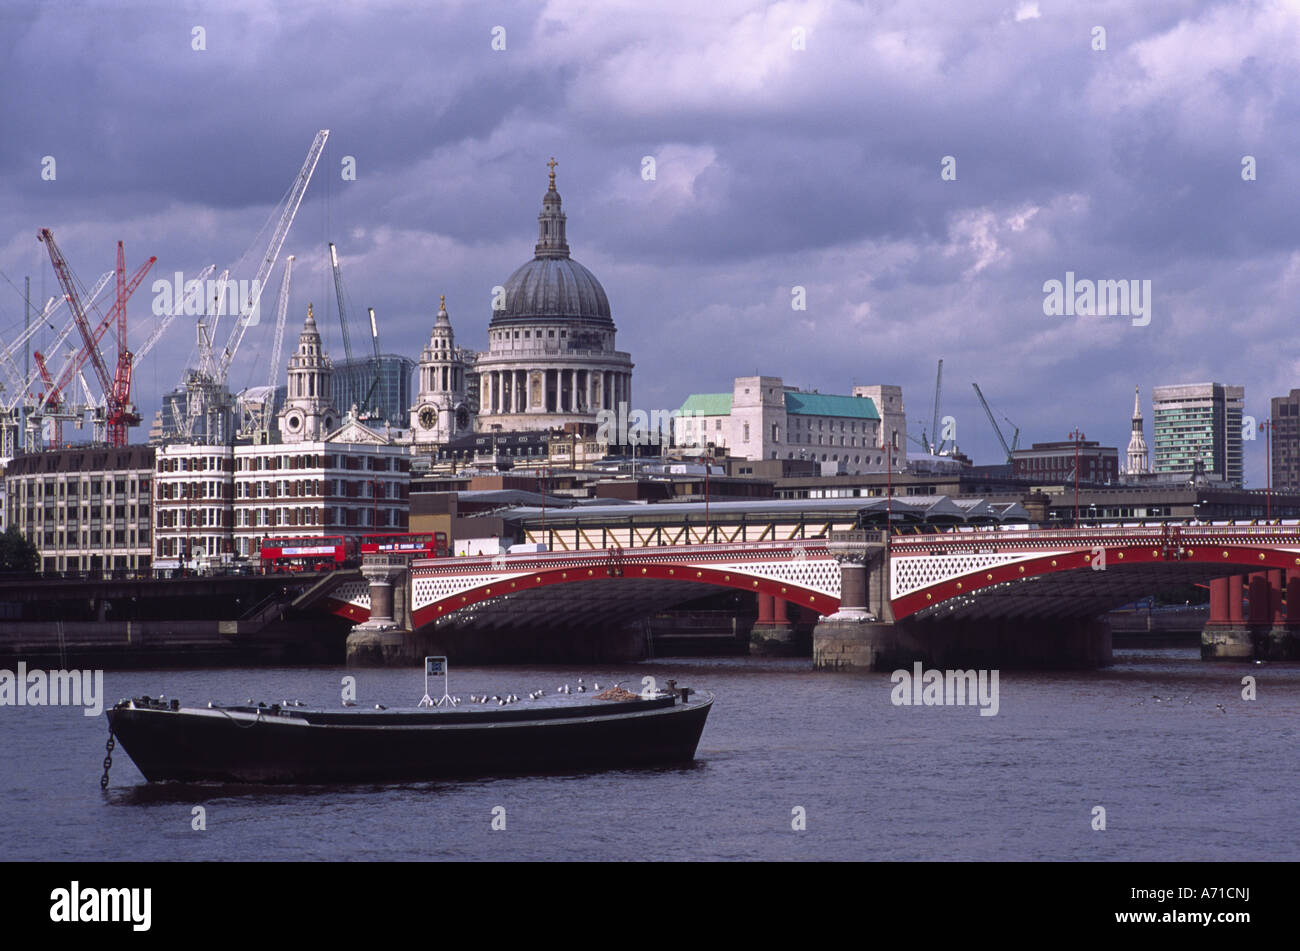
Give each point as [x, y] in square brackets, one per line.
[819, 404]
[707, 404]
[800, 404]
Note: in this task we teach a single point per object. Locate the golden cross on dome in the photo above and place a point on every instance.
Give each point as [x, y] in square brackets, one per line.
[442, 301]
[552, 163]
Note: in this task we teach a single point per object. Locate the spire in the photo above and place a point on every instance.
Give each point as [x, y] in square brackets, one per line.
[443, 318]
[311, 321]
[551, 241]
[1137, 444]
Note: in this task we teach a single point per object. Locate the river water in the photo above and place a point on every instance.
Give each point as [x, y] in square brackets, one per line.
[1178, 777]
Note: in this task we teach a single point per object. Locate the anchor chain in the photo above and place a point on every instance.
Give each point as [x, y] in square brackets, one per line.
[108, 758]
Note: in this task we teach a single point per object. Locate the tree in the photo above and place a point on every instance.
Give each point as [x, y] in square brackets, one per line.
[17, 553]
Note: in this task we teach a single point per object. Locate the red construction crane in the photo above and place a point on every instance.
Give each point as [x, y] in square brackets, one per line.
[117, 389]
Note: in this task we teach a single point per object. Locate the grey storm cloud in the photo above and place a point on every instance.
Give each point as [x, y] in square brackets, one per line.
[775, 167]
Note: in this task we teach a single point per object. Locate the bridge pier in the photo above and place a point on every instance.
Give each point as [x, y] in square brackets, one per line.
[1270, 629]
[773, 633]
[852, 637]
[381, 641]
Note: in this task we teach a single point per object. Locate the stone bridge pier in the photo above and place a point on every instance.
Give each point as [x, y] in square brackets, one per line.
[865, 634]
[852, 636]
[1268, 628]
[385, 639]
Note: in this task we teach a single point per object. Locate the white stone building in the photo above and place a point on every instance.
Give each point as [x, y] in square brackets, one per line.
[762, 418]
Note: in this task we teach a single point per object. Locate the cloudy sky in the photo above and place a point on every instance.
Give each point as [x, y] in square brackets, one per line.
[796, 144]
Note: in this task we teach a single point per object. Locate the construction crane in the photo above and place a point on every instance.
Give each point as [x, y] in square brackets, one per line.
[929, 442]
[207, 396]
[8, 354]
[1015, 440]
[338, 292]
[934, 423]
[366, 403]
[374, 337]
[263, 424]
[117, 388]
[194, 291]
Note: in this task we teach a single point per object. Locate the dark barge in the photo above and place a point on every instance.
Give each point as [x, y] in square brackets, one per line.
[285, 744]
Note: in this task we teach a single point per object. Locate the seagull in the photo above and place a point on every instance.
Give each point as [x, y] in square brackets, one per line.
[1221, 707]
[581, 688]
[595, 686]
[380, 706]
[349, 703]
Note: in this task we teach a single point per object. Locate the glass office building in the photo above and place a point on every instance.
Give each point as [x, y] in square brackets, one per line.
[392, 395]
[1197, 428]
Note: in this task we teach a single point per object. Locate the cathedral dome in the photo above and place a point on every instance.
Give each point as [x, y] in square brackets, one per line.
[552, 286]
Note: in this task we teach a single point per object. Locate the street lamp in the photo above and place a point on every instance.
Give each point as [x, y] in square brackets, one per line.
[889, 490]
[708, 460]
[1268, 467]
[546, 471]
[1077, 437]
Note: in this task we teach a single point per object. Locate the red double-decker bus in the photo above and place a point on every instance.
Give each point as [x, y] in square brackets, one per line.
[418, 544]
[307, 552]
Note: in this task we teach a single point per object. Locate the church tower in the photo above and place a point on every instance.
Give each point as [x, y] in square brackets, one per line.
[308, 414]
[440, 412]
[1137, 445]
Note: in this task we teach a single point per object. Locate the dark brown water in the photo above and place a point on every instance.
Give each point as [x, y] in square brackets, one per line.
[1179, 779]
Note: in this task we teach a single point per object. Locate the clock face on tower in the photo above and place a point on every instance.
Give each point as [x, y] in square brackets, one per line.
[427, 417]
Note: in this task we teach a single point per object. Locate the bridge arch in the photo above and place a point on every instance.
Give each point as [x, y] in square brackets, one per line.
[800, 574]
[1106, 571]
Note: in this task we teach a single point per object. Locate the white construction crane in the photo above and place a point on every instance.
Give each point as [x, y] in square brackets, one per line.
[261, 424]
[22, 385]
[272, 253]
[207, 396]
[178, 307]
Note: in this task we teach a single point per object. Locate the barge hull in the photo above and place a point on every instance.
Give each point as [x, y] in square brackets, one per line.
[203, 747]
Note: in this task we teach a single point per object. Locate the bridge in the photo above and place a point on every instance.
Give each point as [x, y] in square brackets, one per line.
[981, 593]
